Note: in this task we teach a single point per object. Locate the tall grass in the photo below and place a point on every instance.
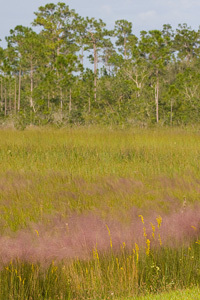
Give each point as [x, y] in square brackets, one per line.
[70, 200]
[108, 276]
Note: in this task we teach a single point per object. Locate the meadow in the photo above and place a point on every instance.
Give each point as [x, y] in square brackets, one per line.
[99, 213]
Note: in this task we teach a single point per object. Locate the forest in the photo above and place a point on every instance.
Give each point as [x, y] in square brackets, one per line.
[66, 69]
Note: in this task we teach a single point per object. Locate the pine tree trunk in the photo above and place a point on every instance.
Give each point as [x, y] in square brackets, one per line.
[31, 98]
[70, 100]
[19, 92]
[171, 112]
[1, 94]
[10, 101]
[61, 100]
[15, 98]
[95, 71]
[89, 105]
[124, 46]
[157, 96]
[5, 102]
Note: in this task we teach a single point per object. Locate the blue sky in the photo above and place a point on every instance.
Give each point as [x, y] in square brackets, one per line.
[144, 14]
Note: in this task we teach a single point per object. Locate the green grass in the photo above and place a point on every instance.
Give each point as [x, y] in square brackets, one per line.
[188, 294]
[105, 172]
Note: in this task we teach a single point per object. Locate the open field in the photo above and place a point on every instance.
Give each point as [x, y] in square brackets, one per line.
[70, 202]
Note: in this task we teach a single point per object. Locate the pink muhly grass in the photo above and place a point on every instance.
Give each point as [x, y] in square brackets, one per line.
[77, 236]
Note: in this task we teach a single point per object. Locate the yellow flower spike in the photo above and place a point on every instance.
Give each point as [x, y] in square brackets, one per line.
[153, 230]
[37, 232]
[137, 251]
[109, 236]
[160, 241]
[142, 219]
[198, 242]
[117, 261]
[144, 229]
[194, 228]
[95, 254]
[159, 221]
[148, 242]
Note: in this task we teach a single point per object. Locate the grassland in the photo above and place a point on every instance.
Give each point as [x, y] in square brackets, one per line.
[70, 201]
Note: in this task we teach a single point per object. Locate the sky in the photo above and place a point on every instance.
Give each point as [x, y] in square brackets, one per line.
[144, 14]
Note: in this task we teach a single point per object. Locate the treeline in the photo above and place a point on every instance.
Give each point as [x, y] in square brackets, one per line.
[151, 79]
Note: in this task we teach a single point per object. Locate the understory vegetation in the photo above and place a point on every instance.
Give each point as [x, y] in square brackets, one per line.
[99, 213]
